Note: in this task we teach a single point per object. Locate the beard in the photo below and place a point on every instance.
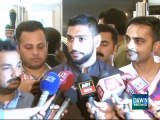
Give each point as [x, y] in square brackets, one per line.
[84, 59]
[133, 56]
[10, 89]
[100, 54]
[6, 91]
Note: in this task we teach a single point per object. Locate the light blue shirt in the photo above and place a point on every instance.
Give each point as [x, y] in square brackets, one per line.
[1, 114]
[13, 102]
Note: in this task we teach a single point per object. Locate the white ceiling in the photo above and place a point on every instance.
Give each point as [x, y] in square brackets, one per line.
[31, 4]
[45, 4]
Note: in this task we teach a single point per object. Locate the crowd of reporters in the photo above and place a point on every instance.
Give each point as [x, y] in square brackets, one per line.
[81, 70]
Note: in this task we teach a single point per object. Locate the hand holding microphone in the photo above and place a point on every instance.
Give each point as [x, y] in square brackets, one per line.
[49, 85]
[103, 109]
[66, 81]
[133, 114]
[140, 86]
[87, 89]
[111, 88]
[70, 98]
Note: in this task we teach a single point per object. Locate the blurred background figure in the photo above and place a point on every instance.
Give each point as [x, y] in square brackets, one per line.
[118, 19]
[55, 56]
[10, 28]
[9, 32]
[108, 45]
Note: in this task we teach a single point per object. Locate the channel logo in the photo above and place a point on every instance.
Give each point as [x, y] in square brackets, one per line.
[139, 101]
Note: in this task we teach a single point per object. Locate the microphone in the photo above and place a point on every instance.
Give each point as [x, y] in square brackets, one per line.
[112, 85]
[49, 85]
[71, 97]
[139, 86]
[67, 80]
[136, 86]
[87, 89]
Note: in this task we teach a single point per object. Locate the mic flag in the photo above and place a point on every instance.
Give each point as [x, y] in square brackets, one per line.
[87, 89]
[50, 82]
[109, 86]
[67, 80]
[86, 85]
[137, 86]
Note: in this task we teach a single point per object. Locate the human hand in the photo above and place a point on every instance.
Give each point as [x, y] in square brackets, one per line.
[35, 89]
[133, 114]
[103, 109]
[54, 108]
[154, 107]
[23, 113]
[31, 86]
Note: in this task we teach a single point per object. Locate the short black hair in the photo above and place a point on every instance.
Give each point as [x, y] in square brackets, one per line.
[7, 45]
[85, 19]
[108, 28]
[151, 21]
[115, 16]
[28, 26]
[53, 37]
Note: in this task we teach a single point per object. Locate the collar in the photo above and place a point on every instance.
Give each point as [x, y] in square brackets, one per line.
[75, 68]
[32, 76]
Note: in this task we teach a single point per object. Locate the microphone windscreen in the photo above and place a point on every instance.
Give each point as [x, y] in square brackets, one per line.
[50, 82]
[67, 80]
[110, 85]
[86, 85]
[72, 94]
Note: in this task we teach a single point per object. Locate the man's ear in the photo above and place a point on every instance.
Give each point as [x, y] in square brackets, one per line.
[156, 48]
[18, 47]
[97, 40]
[115, 49]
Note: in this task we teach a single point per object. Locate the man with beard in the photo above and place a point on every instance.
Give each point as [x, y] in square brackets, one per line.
[10, 70]
[82, 40]
[108, 45]
[142, 36]
[9, 32]
[32, 48]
